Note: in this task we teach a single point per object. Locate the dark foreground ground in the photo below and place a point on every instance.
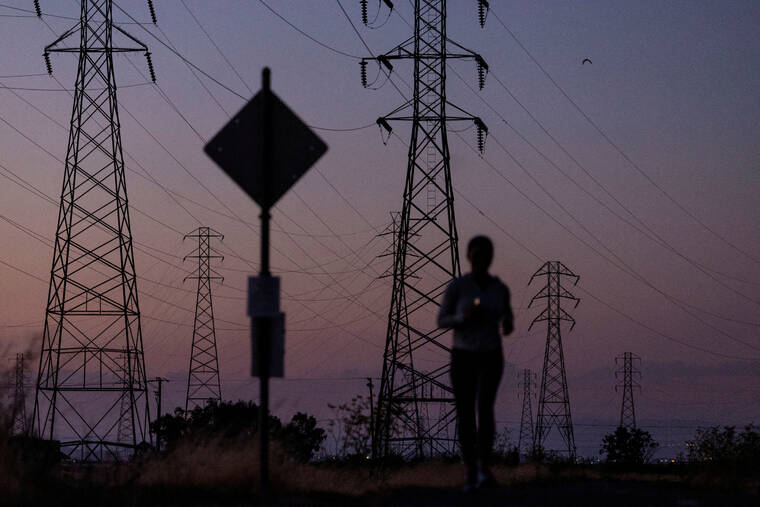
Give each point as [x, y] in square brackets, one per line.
[581, 493]
[219, 474]
[424, 485]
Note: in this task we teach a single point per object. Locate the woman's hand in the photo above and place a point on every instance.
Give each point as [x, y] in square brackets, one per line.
[472, 312]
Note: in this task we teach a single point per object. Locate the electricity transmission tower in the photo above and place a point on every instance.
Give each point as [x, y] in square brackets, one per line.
[630, 375]
[18, 410]
[93, 316]
[526, 441]
[554, 400]
[415, 408]
[203, 376]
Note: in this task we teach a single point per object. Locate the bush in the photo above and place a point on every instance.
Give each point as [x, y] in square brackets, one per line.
[228, 421]
[504, 450]
[634, 446]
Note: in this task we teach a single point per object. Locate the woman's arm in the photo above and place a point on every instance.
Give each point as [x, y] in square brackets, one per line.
[508, 324]
[447, 314]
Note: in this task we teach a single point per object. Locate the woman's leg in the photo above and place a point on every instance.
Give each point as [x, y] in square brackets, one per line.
[491, 369]
[464, 380]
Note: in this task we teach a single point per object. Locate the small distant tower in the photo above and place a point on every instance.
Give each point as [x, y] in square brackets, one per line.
[554, 399]
[19, 426]
[390, 230]
[527, 441]
[630, 374]
[203, 376]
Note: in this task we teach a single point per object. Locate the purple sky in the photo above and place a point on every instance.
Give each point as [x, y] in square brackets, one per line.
[673, 84]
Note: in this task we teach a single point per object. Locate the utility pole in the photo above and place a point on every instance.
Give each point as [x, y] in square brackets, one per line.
[203, 382]
[158, 393]
[125, 429]
[527, 441]
[19, 422]
[371, 386]
[415, 387]
[93, 315]
[630, 374]
[554, 400]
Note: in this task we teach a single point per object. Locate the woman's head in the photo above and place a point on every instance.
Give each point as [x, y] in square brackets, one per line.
[480, 254]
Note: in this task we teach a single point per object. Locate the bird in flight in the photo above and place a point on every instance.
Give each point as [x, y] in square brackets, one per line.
[586, 60]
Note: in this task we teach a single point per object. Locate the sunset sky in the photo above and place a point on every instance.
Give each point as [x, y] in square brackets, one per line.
[640, 172]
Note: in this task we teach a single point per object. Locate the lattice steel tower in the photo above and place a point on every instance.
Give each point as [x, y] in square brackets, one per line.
[630, 375]
[203, 376]
[93, 316]
[18, 410]
[527, 440]
[554, 400]
[415, 398]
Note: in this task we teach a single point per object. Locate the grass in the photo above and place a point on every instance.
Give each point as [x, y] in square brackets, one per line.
[224, 473]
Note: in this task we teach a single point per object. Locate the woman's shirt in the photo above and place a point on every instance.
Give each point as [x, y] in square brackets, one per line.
[481, 331]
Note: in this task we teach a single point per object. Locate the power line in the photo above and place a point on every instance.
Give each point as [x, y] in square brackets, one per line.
[618, 149]
[648, 232]
[232, 67]
[12, 76]
[238, 219]
[30, 89]
[586, 291]
[182, 196]
[223, 204]
[311, 38]
[623, 266]
[481, 211]
[701, 268]
[219, 83]
[168, 100]
[33, 14]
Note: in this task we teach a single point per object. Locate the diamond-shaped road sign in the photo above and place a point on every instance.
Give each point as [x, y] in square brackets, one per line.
[239, 148]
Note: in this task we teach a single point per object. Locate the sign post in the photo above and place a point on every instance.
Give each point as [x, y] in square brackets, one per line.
[265, 148]
[261, 323]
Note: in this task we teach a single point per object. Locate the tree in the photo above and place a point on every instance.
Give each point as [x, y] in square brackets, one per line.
[301, 437]
[351, 427]
[634, 446]
[726, 446]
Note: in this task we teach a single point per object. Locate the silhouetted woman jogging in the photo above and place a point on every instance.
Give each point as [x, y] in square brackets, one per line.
[475, 305]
